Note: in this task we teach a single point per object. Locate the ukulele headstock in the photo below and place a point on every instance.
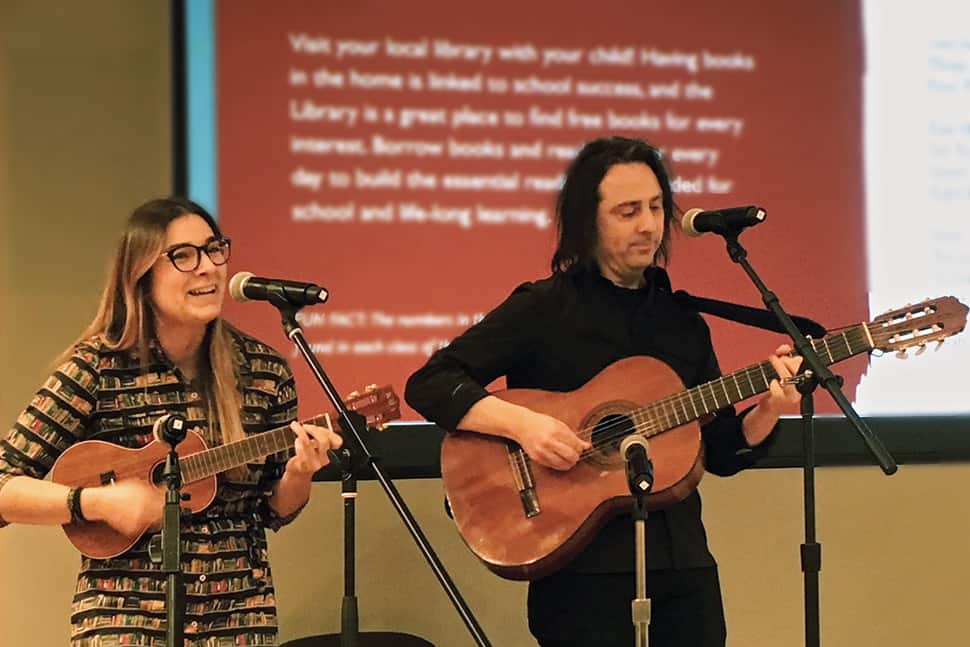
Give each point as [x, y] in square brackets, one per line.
[378, 404]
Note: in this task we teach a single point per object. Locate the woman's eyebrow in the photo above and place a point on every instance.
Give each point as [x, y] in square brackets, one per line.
[210, 239]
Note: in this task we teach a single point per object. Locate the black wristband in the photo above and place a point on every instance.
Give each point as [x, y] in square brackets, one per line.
[74, 505]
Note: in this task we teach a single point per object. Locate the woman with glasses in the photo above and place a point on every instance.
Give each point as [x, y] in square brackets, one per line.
[158, 345]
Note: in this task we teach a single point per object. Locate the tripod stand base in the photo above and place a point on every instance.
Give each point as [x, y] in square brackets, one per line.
[365, 639]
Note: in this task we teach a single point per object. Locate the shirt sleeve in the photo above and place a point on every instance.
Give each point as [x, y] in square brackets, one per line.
[454, 378]
[281, 413]
[56, 418]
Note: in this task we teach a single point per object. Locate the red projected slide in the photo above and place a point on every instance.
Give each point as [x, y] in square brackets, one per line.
[406, 156]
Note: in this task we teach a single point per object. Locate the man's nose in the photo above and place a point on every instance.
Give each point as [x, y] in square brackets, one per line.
[647, 222]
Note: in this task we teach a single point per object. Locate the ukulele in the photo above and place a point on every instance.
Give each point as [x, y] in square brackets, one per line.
[525, 521]
[93, 463]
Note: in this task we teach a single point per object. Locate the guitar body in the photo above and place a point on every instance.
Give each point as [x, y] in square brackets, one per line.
[74, 468]
[526, 521]
[480, 480]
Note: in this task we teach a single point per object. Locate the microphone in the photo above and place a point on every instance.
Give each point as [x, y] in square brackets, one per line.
[726, 222]
[170, 429]
[639, 468]
[246, 287]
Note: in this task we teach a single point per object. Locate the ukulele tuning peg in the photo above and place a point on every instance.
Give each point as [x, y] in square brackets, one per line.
[938, 344]
[901, 353]
[921, 349]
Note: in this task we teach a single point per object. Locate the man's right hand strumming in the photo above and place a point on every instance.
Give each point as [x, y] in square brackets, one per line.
[549, 441]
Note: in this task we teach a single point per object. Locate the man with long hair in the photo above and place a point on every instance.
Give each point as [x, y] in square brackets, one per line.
[158, 345]
[608, 298]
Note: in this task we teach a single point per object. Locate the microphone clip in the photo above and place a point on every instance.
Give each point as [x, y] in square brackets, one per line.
[639, 467]
[171, 429]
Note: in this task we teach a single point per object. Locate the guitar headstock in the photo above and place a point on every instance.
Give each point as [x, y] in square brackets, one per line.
[378, 404]
[918, 324]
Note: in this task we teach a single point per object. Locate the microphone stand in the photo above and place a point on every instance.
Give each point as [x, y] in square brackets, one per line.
[170, 545]
[816, 374]
[640, 484]
[288, 311]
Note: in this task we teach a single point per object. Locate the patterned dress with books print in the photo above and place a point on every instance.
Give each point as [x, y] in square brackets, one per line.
[102, 394]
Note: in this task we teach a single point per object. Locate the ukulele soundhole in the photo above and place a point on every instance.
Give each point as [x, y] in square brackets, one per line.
[158, 474]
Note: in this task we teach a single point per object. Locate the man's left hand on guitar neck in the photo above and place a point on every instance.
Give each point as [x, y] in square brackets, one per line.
[780, 399]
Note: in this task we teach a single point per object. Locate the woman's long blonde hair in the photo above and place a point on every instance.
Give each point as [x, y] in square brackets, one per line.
[125, 320]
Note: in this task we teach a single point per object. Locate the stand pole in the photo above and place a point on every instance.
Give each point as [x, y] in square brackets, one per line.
[817, 373]
[167, 550]
[639, 474]
[361, 456]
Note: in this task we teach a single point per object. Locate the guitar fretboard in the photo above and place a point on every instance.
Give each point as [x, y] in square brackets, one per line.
[248, 450]
[681, 408]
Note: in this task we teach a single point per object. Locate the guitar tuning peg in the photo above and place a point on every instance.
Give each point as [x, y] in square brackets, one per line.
[938, 344]
[921, 349]
[901, 353]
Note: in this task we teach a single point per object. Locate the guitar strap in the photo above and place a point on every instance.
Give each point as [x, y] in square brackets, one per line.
[756, 317]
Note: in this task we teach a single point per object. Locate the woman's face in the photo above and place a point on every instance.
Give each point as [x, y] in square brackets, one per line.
[188, 298]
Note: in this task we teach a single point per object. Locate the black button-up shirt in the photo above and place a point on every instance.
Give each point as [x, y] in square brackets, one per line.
[558, 333]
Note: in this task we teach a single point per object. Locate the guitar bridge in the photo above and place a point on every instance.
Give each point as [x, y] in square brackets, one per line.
[530, 502]
[522, 474]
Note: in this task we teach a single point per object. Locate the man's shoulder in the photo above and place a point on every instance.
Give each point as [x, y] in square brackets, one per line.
[551, 285]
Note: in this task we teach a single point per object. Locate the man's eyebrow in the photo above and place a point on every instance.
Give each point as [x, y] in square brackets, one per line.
[626, 203]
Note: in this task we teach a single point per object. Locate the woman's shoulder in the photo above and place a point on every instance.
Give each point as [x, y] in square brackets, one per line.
[91, 350]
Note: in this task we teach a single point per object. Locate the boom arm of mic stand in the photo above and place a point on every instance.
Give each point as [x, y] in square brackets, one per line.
[804, 347]
[295, 333]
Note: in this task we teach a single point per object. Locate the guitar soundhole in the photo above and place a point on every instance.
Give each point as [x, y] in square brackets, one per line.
[610, 431]
[158, 474]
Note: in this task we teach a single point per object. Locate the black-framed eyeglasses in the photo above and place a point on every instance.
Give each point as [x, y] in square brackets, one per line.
[186, 257]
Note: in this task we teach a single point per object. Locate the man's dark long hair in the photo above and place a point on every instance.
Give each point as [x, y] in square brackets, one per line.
[579, 199]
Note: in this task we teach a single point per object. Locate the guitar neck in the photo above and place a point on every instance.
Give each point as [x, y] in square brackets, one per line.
[686, 406]
[235, 454]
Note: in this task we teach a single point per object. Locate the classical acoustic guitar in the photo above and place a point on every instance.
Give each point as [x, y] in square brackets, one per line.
[525, 521]
[91, 463]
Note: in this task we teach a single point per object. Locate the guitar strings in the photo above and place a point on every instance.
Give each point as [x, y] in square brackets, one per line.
[653, 426]
[611, 432]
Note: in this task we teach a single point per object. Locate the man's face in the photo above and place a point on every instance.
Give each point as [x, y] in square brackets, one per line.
[629, 222]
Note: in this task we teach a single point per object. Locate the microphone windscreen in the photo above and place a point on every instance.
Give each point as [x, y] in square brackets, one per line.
[236, 285]
[687, 222]
[631, 440]
[157, 427]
